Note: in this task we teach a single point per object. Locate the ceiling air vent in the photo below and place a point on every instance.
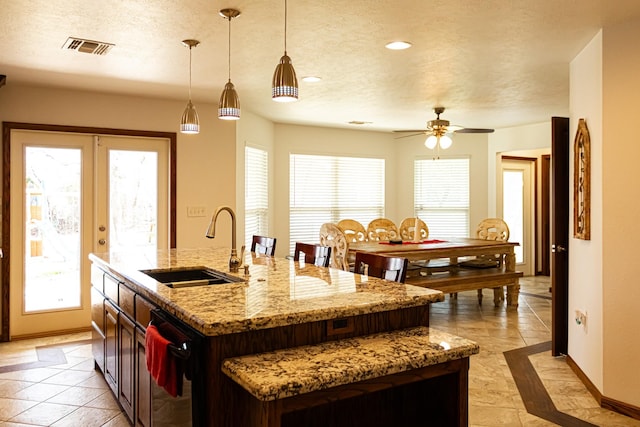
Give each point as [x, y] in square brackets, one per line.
[87, 46]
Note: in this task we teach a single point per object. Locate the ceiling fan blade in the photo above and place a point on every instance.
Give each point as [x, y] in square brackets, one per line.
[411, 131]
[474, 130]
[415, 133]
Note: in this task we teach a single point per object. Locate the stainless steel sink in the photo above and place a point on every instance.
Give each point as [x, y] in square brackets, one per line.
[186, 277]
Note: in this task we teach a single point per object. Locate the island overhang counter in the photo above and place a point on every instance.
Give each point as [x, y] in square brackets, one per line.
[279, 304]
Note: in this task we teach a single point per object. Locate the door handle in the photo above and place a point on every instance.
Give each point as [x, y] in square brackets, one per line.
[558, 248]
[102, 241]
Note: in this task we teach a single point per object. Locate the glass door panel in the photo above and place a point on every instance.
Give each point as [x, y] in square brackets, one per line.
[52, 183]
[133, 199]
[513, 215]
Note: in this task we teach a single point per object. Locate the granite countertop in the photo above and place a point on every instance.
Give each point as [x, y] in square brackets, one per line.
[292, 371]
[277, 292]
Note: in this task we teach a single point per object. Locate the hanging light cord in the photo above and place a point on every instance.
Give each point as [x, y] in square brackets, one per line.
[190, 47]
[229, 48]
[285, 27]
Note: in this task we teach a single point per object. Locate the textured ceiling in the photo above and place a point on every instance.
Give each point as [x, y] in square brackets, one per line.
[491, 63]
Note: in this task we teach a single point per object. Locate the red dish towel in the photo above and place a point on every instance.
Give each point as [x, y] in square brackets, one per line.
[161, 364]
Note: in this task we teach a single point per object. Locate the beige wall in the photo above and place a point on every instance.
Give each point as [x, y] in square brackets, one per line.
[620, 212]
[585, 257]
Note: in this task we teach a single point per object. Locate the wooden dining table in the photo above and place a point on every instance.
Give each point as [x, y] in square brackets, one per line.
[454, 277]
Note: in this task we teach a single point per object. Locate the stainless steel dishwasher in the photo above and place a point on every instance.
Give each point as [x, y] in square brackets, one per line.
[184, 409]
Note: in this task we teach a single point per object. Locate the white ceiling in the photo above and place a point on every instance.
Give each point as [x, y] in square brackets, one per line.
[491, 63]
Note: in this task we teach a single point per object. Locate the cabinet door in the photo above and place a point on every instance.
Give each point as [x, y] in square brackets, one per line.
[97, 328]
[143, 382]
[127, 352]
[111, 346]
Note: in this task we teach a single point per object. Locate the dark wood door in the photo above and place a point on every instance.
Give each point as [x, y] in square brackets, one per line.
[559, 234]
[127, 353]
[111, 346]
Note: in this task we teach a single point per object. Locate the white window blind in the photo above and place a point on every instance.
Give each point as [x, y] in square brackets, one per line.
[441, 196]
[328, 189]
[256, 193]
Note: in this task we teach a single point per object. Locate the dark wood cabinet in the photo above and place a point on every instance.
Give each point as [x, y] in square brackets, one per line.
[97, 328]
[111, 346]
[126, 352]
[119, 317]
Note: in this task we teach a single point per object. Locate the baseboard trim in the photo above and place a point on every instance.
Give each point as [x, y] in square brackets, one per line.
[50, 334]
[604, 401]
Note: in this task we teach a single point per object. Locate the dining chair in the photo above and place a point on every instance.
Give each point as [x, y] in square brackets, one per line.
[489, 229]
[353, 230]
[317, 255]
[263, 245]
[382, 266]
[332, 236]
[408, 227]
[382, 229]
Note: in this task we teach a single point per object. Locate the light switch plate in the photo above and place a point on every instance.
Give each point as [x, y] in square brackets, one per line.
[196, 211]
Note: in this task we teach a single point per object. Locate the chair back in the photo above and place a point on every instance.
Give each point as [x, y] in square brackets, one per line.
[313, 254]
[408, 227]
[264, 245]
[332, 236]
[353, 230]
[382, 229]
[382, 266]
[493, 229]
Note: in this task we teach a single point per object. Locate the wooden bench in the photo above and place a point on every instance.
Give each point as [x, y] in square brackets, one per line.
[457, 279]
[414, 376]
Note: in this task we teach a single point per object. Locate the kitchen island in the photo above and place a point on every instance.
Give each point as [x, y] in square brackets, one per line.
[279, 304]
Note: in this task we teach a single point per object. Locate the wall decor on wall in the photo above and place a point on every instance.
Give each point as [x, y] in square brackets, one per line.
[582, 183]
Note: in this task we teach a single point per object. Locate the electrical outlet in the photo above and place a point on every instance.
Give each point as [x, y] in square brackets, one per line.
[581, 318]
[196, 211]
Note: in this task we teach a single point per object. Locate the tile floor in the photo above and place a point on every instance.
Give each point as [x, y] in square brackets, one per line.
[45, 389]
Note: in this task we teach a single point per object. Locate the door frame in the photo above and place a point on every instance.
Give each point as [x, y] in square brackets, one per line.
[7, 128]
[533, 162]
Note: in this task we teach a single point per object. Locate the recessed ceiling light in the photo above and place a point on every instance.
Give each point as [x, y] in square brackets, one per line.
[398, 45]
[311, 79]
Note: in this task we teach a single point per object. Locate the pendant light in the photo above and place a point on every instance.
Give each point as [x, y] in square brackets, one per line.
[284, 87]
[190, 122]
[229, 106]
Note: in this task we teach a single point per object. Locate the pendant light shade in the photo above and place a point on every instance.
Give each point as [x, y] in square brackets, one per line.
[285, 82]
[190, 123]
[284, 87]
[229, 106]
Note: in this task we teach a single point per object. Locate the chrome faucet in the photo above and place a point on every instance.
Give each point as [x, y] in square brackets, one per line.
[234, 261]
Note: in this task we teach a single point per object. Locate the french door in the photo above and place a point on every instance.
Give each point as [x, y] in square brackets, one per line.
[517, 206]
[72, 194]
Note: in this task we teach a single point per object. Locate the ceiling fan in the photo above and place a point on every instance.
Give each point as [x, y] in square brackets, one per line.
[438, 129]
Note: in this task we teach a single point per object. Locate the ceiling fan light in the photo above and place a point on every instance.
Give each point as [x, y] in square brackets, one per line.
[284, 87]
[190, 122]
[445, 142]
[229, 106]
[431, 142]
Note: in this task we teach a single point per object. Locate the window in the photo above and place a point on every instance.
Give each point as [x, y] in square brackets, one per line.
[328, 189]
[441, 196]
[256, 193]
